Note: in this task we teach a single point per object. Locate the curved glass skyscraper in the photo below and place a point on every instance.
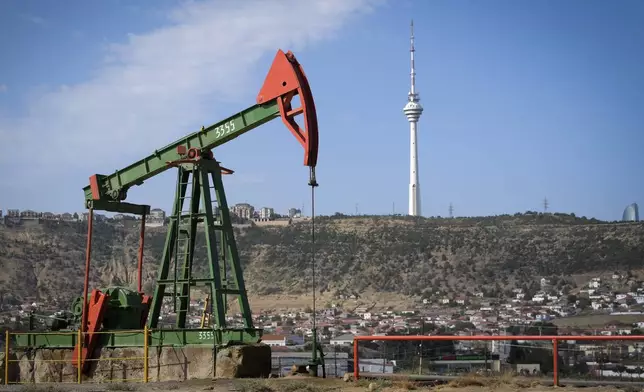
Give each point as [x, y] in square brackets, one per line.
[631, 213]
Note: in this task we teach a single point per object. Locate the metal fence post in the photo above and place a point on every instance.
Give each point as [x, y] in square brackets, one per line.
[335, 361]
[356, 371]
[80, 356]
[145, 354]
[555, 364]
[6, 357]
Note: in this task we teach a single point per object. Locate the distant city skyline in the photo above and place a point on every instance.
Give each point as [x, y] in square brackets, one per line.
[630, 213]
[523, 100]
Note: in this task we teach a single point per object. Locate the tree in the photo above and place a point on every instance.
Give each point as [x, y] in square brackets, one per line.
[542, 328]
[583, 303]
[407, 352]
[620, 369]
[535, 353]
[581, 368]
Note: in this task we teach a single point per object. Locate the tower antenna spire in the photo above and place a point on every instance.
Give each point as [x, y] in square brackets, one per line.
[412, 91]
[413, 110]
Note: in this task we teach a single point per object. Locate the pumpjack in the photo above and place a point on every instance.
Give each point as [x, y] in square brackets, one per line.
[199, 200]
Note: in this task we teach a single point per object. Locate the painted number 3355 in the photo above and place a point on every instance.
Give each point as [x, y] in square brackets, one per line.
[225, 129]
[207, 335]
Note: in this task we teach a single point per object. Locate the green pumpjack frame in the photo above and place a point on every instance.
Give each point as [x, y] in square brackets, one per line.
[197, 169]
[112, 189]
[125, 338]
[116, 339]
[223, 261]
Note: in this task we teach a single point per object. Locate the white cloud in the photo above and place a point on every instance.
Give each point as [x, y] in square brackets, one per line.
[151, 86]
[34, 19]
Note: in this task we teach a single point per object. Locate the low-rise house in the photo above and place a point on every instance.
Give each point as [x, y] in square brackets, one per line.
[342, 340]
[274, 340]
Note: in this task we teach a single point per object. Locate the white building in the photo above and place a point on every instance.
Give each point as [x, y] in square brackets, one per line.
[345, 339]
[243, 210]
[266, 213]
[156, 218]
[274, 340]
[376, 365]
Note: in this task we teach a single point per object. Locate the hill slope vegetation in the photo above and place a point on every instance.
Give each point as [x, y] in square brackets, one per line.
[355, 255]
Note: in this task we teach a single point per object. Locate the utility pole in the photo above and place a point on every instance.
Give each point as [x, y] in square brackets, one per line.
[451, 210]
[545, 204]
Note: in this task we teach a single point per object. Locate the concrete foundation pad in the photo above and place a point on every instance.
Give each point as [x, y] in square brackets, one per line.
[253, 360]
[127, 364]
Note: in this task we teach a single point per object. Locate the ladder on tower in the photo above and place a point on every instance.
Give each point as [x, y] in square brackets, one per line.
[204, 202]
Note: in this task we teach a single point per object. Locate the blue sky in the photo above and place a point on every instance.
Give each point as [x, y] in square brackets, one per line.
[523, 100]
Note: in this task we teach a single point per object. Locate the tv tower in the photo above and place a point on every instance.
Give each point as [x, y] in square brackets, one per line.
[413, 110]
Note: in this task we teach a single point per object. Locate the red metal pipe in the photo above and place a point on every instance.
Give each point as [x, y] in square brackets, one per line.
[554, 338]
[555, 363]
[356, 370]
[141, 244]
[88, 254]
[499, 337]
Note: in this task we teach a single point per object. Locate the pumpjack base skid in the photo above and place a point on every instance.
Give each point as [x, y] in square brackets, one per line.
[157, 338]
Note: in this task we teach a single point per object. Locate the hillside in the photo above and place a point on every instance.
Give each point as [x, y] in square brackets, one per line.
[397, 256]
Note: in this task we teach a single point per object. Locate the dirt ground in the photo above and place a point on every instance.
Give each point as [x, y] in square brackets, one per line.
[310, 385]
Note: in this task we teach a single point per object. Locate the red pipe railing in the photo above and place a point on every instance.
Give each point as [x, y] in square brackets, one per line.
[553, 338]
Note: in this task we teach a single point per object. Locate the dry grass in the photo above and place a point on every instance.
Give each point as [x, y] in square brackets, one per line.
[120, 387]
[406, 385]
[504, 379]
[469, 382]
[40, 388]
[255, 385]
